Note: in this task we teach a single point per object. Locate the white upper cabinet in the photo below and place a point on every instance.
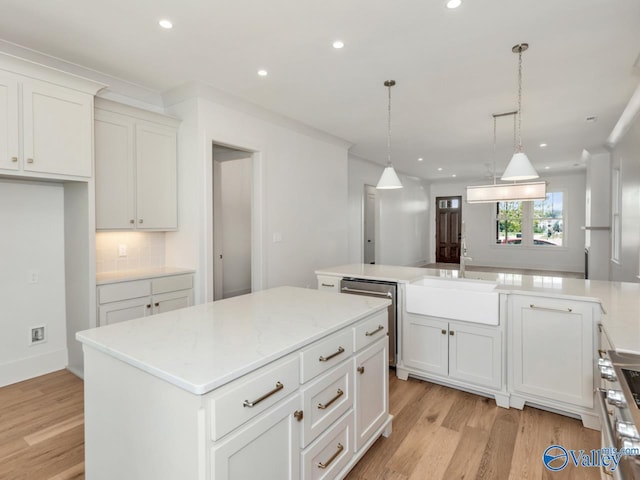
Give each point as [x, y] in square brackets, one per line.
[136, 181]
[46, 121]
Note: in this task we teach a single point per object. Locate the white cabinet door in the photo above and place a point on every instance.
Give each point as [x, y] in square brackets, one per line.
[124, 310]
[115, 171]
[425, 343]
[167, 302]
[57, 129]
[475, 354]
[156, 176]
[9, 149]
[266, 448]
[371, 391]
[551, 349]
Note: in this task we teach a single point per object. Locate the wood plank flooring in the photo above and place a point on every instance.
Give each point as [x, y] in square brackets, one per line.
[438, 433]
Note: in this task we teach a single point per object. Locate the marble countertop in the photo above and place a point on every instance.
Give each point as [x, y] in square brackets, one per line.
[203, 347]
[105, 278]
[620, 301]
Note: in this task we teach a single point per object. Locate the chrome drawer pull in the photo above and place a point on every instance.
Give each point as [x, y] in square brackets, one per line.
[370, 334]
[14, 159]
[326, 359]
[249, 404]
[328, 404]
[550, 309]
[333, 457]
[328, 285]
[367, 292]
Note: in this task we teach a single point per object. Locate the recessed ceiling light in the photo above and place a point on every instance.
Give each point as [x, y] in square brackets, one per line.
[543, 145]
[338, 44]
[439, 169]
[547, 167]
[454, 3]
[263, 73]
[164, 23]
[421, 159]
[453, 175]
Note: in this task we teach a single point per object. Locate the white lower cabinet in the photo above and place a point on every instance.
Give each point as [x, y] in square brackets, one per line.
[455, 350]
[266, 448]
[551, 345]
[331, 452]
[122, 301]
[371, 387]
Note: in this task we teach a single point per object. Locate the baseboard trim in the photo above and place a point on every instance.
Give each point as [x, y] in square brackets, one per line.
[26, 368]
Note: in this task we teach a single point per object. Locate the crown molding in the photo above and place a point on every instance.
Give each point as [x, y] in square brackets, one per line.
[629, 114]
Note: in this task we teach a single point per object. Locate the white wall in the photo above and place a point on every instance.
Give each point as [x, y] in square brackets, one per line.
[402, 229]
[626, 157]
[480, 230]
[236, 226]
[32, 222]
[300, 192]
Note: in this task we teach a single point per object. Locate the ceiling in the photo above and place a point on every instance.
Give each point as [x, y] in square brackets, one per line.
[453, 68]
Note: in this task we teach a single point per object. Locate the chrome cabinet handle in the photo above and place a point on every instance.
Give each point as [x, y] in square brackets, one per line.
[550, 309]
[14, 159]
[326, 359]
[328, 284]
[29, 160]
[370, 334]
[333, 457]
[249, 404]
[328, 404]
[360, 370]
[367, 292]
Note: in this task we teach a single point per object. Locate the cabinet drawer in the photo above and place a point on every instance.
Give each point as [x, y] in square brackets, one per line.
[123, 291]
[331, 284]
[331, 452]
[171, 284]
[242, 400]
[370, 330]
[326, 400]
[325, 354]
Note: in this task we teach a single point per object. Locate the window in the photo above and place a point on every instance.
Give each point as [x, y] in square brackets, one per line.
[548, 221]
[531, 223]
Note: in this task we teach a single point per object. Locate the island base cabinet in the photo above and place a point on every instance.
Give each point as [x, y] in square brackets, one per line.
[267, 448]
[371, 391]
[551, 350]
[330, 453]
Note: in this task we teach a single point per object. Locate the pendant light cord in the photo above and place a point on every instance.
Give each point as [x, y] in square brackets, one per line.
[494, 149]
[520, 99]
[389, 129]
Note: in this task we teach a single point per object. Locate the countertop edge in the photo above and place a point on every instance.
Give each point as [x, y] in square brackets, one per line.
[140, 274]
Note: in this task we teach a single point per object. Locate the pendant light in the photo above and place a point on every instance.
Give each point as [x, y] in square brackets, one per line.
[519, 167]
[389, 179]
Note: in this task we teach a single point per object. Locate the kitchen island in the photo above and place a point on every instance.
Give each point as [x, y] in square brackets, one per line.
[279, 384]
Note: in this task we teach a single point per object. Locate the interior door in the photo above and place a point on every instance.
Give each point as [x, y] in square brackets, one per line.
[448, 229]
[369, 224]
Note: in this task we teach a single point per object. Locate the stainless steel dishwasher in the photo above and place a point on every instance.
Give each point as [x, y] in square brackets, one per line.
[380, 289]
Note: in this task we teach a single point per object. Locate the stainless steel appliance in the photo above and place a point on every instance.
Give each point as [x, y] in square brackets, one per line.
[619, 403]
[377, 288]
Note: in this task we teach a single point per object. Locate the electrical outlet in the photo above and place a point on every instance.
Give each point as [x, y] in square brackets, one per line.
[122, 250]
[33, 276]
[37, 334]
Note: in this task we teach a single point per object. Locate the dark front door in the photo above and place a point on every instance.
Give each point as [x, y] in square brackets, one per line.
[448, 233]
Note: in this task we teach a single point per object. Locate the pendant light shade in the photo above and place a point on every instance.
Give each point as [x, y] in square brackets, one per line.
[519, 167]
[389, 178]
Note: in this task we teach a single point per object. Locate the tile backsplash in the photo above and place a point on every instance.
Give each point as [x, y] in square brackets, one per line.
[142, 250]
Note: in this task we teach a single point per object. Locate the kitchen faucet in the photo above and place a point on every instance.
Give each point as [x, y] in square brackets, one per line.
[463, 251]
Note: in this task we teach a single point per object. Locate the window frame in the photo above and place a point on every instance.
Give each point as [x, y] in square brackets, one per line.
[527, 226]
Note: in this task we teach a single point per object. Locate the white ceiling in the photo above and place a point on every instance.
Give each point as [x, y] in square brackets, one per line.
[453, 68]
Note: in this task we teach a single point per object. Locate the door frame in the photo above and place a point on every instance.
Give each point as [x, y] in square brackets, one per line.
[437, 230]
[258, 269]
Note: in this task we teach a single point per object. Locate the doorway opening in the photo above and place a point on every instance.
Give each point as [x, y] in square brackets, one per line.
[369, 224]
[448, 229]
[232, 220]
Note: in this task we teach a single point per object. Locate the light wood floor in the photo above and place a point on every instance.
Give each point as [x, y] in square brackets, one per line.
[438, 433]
